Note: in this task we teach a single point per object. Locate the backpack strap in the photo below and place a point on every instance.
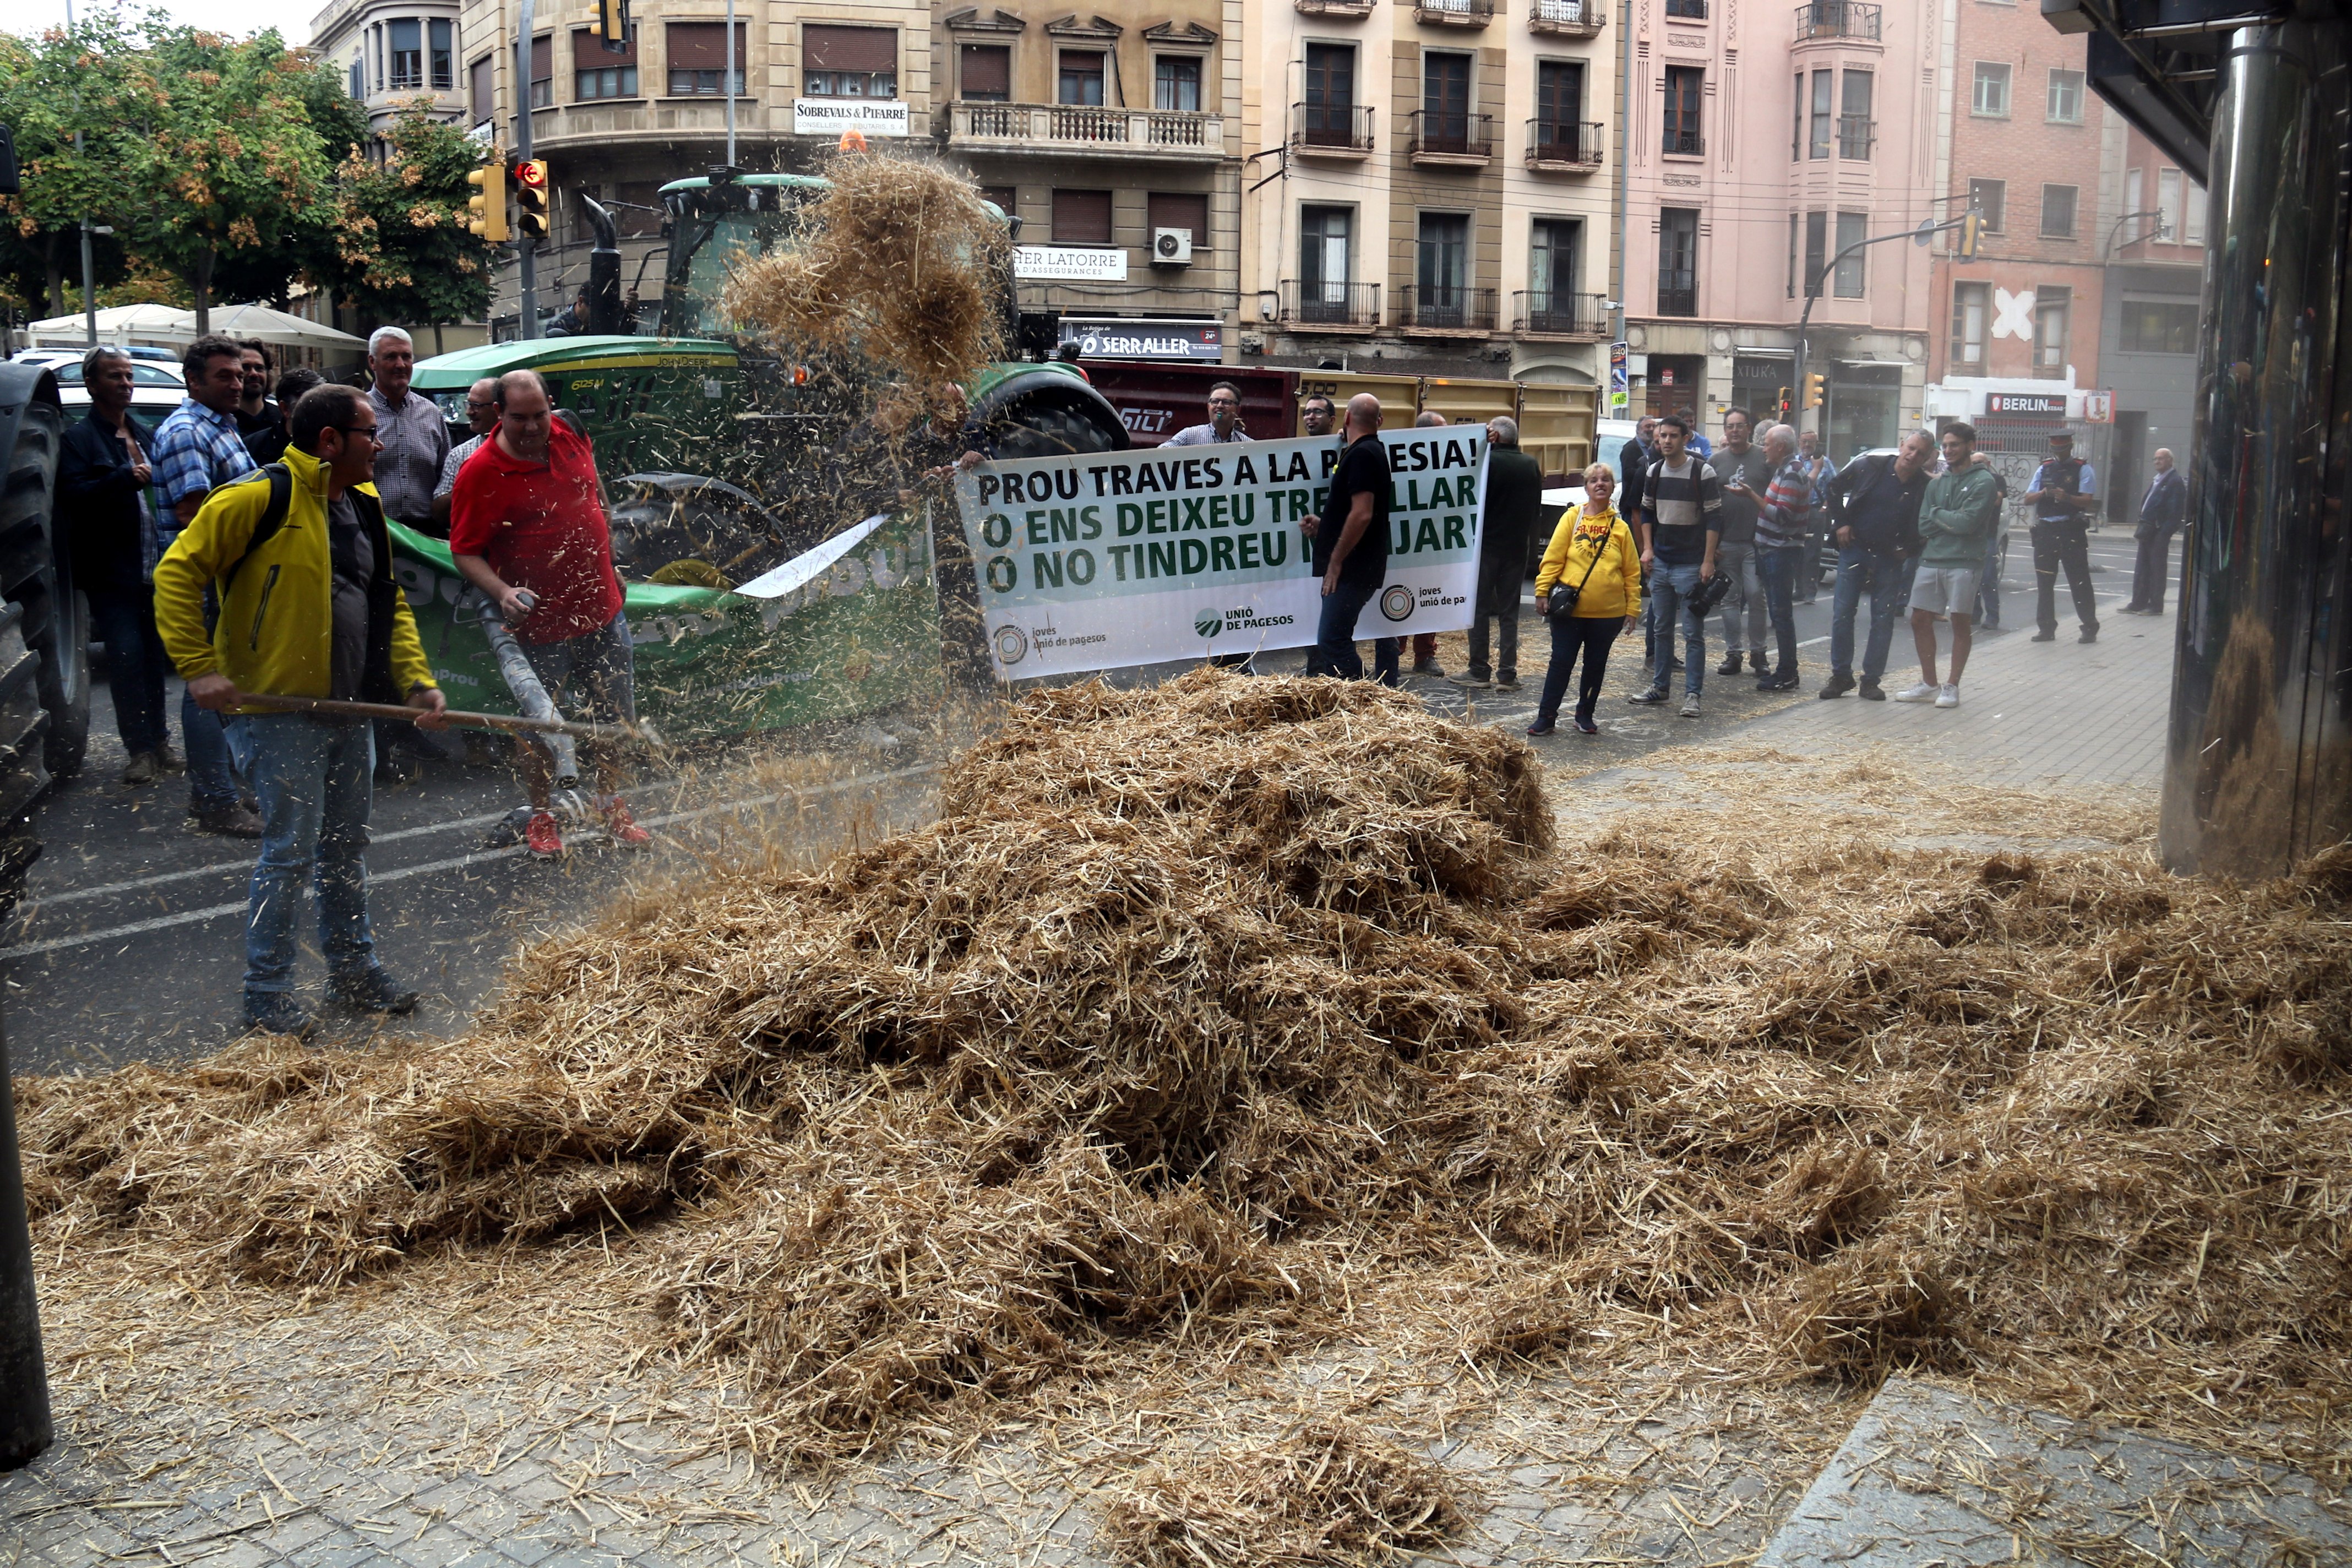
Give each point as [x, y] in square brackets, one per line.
[273, 517]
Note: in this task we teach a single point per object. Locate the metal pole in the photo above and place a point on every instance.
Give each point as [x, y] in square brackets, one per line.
[526, 251]
[729, 85]
[88, 268]
[24, 1425]
[1624, 167]
[1814, 282]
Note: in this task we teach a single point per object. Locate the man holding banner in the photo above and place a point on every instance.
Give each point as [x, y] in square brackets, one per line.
[1351, 548]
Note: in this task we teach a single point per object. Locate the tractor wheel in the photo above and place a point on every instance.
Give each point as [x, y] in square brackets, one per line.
[44, 624]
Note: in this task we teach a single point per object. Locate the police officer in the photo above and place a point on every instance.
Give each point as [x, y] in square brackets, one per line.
[2065, 494]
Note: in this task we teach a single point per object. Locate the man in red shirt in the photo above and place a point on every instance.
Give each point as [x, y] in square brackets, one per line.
[526, 526]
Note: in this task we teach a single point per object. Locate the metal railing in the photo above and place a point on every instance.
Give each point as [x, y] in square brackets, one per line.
[1570, 18]
[1454, 12]
[1449, 133]
[1084, 125]
[1311, 303]
[1683, 144]
[1331, 127]
[1566, 144]
[1856, 135]
[1686, 10]
[1836, 20]
[1677, 301]
[1446, 307]
[1546, 314]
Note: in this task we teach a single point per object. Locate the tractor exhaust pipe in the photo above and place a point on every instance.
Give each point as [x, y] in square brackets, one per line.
[603, 269]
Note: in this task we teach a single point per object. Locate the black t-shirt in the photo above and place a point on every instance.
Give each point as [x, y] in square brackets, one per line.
[355, 557]
[1363, 468]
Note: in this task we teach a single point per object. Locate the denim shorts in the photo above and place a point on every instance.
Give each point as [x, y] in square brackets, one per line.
[597, 667]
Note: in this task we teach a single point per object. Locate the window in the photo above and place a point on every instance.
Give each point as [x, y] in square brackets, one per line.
[2066, 97]
[542, 72]
[1179, 210]
[1554, 251]
[2058, 212]
[478, 89]
[1852, 229]
[849, 62]
[1445, 261]
[1819, 145]
[2052, 306]
[359, 77]
[439, 50]
[407, 54]
[697, 58]
[2134, 203]
[1856, 130]
[1796, 228]
[598, 73]
[2168, 202]
[1081, 79]
[1445, 101]
[1323, 262]
[1684, 85]
[1082, 217]
[1969, 303]
[2192, 231]
[1817, 252]
[1006, 197]
[1559, 108]
[985, 73]
[1991, 198]
[1991, 95]
[1678, 261]
[1176, 83]
[2159, 326]
[1330, 105]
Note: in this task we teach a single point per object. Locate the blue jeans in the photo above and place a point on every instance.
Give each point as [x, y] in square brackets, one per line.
[316, 783]
[1776, 566]
[1670, 591]
[1334, 652]
[135, 664]
[210, 780]
[1886, 578]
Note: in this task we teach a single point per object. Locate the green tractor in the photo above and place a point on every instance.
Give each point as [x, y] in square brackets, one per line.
[724, 462]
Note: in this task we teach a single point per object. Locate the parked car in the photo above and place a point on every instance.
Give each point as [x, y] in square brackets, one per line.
[156, 388]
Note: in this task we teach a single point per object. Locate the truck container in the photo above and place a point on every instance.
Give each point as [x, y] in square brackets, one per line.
[1156, 398]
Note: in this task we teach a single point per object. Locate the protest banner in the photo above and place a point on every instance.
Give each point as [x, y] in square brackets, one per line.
[1098, 560]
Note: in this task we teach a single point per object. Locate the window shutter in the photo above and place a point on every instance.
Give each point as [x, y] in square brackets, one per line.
[588, 50]
[702, 45]
[484, 108]
[1180, 210]
[987, 68]
[1082, 217]
[542, 58]
[849, 48]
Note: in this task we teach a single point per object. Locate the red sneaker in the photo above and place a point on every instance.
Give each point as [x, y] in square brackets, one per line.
[626, 834]
[543, 838]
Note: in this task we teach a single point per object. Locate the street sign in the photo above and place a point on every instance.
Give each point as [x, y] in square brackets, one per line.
[2099, 408]
[1620, 381]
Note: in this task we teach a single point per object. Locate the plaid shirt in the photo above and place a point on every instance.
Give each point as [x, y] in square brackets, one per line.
[195, 450]
[1787, 507]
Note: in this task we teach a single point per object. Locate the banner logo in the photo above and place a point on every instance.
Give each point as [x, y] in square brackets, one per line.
[1396, 601]
[1209, 623]
[1011, 645]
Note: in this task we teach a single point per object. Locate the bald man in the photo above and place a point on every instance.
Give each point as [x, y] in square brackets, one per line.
[2161, 512]
[1351, 548]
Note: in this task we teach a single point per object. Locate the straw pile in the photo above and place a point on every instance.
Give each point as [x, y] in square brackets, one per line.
[1269, 1009]
[894, 266]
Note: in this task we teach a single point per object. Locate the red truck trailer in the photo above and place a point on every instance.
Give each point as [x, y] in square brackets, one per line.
[1159, 397]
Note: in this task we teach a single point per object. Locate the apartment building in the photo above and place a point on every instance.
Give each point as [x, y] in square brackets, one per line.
[1766, 142]
[393, 53]
[2150, 315]
[1428, 189]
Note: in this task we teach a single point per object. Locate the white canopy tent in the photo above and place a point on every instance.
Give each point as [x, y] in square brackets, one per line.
[165, 324]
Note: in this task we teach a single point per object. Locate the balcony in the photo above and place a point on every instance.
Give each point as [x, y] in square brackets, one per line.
[1685, 10]
[1317, 307]
[1856, 135]
[1141, 135]
[1453, 12]
[1565, 146]
[1837, 19]
[1678, 299]
[562, 126]
[1448, 310]
[1539, 314]
[1567, 18]
[1344, 10]
[1342, 130]
[1449, 139]
[1683, 144]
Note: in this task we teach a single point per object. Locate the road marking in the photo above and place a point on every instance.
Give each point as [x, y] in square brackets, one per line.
[456, 862]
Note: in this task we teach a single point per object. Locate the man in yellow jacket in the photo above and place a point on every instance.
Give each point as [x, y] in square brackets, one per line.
[308, 607]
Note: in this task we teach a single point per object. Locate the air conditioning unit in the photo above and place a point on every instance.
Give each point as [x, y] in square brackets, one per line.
[1172, 248]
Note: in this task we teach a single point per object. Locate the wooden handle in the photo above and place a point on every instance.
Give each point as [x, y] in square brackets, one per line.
[512, 723]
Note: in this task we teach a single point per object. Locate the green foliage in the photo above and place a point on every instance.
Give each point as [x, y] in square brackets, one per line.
[49, 87]
[400, 249]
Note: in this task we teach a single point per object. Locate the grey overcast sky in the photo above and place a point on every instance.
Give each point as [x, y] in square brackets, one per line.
[290, 17]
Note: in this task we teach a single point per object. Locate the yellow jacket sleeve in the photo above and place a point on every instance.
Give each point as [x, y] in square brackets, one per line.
[410, 669]
[1629, 561]
[1555, 556]
[215, 537]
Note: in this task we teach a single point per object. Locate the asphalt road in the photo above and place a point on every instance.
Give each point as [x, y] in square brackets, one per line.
[129, 945]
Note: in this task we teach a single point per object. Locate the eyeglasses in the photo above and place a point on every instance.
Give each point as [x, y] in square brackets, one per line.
[366, 430]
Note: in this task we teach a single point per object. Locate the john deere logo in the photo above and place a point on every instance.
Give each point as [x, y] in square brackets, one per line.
[1011, 645]
[1396, 602]
[1209, 623]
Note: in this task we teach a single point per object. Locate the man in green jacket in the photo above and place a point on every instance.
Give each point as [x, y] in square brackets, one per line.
[1957, 519]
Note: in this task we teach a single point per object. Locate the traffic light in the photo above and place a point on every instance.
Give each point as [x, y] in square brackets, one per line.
[1815, 388]
[1971, 229]
[612, 25]
[530, 198]
[488, 203]
[1780, 404]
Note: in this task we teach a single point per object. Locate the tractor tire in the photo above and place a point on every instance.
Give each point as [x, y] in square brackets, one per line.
[44, 624]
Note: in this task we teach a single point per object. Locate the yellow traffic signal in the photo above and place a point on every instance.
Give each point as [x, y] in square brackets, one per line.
[530, 198]
[1971, 229]
[1816, 387]
[488, 204]
[612, 25]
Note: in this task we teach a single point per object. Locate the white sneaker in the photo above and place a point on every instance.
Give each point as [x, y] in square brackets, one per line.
[1922, 692]
[1950, 697]
[1690, 706]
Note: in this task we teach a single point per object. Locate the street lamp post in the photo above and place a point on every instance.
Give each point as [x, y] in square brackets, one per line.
[1814, 287]
[526, 249]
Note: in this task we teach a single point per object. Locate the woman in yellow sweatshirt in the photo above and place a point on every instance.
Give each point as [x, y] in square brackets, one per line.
[1590, 589]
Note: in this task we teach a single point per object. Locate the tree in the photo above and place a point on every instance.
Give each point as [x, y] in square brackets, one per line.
[399, 250]
[84, 79]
